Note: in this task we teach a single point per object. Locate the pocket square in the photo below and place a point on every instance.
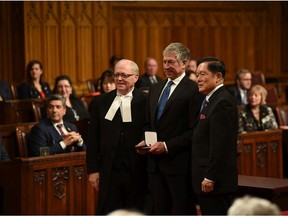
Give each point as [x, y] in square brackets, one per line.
[202, 116]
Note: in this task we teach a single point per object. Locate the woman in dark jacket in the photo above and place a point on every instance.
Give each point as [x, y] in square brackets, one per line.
[75, 108]
[34, 87]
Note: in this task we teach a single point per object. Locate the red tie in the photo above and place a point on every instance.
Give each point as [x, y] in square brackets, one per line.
[59, 126]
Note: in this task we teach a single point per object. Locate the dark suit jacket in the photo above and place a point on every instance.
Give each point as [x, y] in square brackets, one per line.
[214, 144]
[178, 116]
[236, 93]
[4, 90]
[26, 92]
[144, 82]
[104, 138]
[79, 107]
[44, 134]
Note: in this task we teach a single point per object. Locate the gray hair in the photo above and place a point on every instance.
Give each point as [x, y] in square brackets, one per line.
[53, 97]
[253, 206]
[182, 52]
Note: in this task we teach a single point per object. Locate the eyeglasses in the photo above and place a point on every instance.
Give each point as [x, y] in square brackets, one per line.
[124, 76]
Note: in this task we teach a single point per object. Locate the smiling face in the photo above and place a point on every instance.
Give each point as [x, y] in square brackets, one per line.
[207, 80]
[55, 111]
[125, 78]
[172, 67]
[64, 88]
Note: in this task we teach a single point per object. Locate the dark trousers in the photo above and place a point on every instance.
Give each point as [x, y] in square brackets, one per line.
[171, 194]
[124, 192]
[215, 204]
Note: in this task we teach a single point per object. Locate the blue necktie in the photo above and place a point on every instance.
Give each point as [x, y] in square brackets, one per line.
[163, 99]
[203, 105]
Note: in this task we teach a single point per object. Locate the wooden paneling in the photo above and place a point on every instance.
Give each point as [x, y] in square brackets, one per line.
[260, 154]
[50, 185]
[78, 38]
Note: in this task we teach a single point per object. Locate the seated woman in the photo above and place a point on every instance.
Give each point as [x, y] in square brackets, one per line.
[256, 116]
[75, 108]
[34, 87]
[107, 82]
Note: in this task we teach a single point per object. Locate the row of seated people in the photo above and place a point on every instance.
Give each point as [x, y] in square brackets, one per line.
[52, 131]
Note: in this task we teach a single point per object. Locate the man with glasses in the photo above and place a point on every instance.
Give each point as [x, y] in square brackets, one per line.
[115, 170]
[243, 81]
[172, 112]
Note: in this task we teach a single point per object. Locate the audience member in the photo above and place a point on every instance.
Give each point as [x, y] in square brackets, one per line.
[107, 82]
[256, 116]
[214, 141]
[192, 65]
[34, 87]
[60, 136]
[253, 206]
[4, 90]
[114, 60]
[3, 153]
[243, 81]
[75, 108]
[117, 121]
[168, 168]
[150, 76]
[191, 74]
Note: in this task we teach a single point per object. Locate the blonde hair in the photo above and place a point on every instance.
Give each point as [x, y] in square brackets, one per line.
[263, 92]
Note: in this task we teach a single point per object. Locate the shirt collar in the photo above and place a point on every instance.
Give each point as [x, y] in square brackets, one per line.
[178, 79]
[215, 89]
[129, 94]
[55, 124]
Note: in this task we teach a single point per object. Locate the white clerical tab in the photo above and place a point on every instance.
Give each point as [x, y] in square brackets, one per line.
[125, 109]
[113, 108]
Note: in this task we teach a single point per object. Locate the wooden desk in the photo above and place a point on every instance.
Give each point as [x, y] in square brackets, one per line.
[273, 189]
[55, 184]
[260, 154]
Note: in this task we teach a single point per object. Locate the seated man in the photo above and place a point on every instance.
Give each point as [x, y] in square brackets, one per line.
[60, 136]
[4, 90]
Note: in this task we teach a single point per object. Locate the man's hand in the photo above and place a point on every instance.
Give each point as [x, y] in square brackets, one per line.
[157, 148]
[93, 178]
[207, 186]
[139, 150]
[71, 137]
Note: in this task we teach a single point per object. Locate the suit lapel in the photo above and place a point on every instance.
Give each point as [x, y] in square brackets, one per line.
[52, 130]
[176, 92]
[156, 95]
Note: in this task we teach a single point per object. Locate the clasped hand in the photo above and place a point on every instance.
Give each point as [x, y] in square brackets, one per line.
[156, 148]
[71, 137]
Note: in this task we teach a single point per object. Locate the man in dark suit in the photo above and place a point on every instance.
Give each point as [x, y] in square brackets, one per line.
[169, 161]
[60, 136]
[117, 121]
[150, 77]
[214, 141]
[243, 81]
[4, 90]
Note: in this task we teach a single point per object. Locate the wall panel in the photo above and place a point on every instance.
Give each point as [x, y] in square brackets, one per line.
[78, 38]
